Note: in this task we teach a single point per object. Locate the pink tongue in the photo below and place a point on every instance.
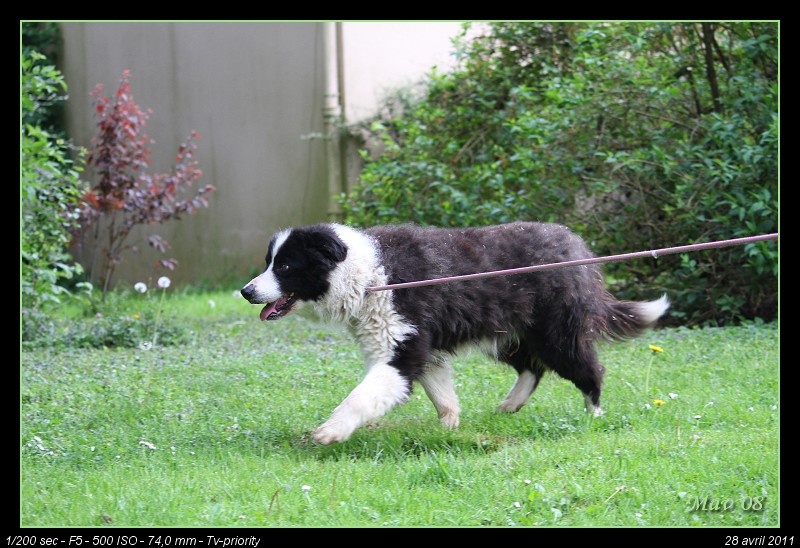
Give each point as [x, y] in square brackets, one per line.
[267, 310]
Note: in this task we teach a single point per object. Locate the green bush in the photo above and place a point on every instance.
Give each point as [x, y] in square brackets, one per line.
[101, 331]
[44, 38]
[637, 135]
[50, 187]
[129, 318]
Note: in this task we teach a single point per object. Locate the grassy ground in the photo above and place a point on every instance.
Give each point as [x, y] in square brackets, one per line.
[214, 432]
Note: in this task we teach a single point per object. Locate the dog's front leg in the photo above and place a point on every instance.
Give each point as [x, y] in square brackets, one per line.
[382, 388]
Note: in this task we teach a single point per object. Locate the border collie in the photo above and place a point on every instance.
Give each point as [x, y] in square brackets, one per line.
[534, 322]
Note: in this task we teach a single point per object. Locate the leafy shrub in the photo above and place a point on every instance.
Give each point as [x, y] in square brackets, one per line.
[50, 189]
[637, 135]
[44, 39]
[125, 195]
[111, 330]
[41, 330]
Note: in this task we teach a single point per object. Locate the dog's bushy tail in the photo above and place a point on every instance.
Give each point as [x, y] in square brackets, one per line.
[622, 320]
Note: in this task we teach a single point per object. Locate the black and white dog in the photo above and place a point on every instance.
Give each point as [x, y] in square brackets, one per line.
[534, 322]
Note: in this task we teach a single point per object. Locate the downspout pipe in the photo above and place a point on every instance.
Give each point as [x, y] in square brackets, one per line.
[334, 115]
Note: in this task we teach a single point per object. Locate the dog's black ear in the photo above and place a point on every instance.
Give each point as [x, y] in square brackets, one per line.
[334, 249]
[328, 244]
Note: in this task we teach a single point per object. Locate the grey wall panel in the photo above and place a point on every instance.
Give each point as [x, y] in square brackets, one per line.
[253, 91]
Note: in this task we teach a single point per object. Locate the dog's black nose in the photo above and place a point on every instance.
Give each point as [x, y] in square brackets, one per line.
[248, 291]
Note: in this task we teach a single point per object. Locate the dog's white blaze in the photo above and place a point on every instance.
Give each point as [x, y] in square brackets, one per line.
[266, 284]
[438, 384]
[382, 388]
[519, 393]
[280, 238]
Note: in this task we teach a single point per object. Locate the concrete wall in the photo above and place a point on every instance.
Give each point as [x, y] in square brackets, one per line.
[253, 91]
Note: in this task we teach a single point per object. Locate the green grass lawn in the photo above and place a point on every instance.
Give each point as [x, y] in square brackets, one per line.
[213, 431]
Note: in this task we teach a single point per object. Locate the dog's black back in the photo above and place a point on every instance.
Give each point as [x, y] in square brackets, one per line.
[540, 320]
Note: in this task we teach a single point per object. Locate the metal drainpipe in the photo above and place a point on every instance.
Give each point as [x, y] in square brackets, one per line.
[334, 113]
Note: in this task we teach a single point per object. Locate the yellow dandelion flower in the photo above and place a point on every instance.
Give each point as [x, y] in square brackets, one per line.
[136, 316]
[658, 402]
[656, 348]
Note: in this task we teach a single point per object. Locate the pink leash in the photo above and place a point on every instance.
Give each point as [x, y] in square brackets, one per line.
[610, 258]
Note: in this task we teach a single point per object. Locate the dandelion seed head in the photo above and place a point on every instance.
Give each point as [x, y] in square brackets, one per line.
[647, 406]
[211, 303]
[306, 488]
[672, 395]
[141, 287]
[517, 505]
[163, 282]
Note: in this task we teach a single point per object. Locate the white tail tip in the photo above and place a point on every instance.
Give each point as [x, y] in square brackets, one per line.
[653, 310]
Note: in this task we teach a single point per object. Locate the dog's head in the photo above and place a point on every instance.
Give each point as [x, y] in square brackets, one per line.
[298, 264]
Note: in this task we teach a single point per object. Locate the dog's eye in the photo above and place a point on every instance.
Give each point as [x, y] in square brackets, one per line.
[283, 268]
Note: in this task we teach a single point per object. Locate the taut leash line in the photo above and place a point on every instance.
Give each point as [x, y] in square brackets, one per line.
[654, 253]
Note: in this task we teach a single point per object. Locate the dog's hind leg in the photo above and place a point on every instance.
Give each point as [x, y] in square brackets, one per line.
[520, 393]
[382, 388]
[589, 381]
[581, 366]
[523, 388]
[437, 381]
[530, 371]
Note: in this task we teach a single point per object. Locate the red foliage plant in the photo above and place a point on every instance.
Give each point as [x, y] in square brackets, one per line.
[124, 194]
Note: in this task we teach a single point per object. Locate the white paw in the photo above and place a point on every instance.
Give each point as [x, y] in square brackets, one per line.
[508, 406]
[449, 419]
[595, 411]
[331, 433]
